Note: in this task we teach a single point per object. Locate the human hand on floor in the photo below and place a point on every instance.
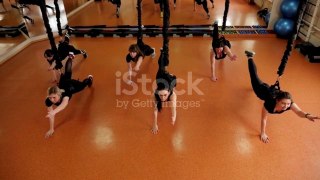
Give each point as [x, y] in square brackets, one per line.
[214, 79]
[173, 120]
[49, 133]
[136, 68]
[155, 129]
[312, 117]
[264, 138]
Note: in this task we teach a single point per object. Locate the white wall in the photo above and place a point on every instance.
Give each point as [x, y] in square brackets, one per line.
[275, 13]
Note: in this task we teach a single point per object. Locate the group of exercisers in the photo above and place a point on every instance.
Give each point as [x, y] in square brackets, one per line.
[59, 95]
[202, 3]
[275, 100]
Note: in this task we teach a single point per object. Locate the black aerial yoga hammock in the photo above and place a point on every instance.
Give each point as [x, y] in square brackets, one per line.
[164, 57]
[146, 49]
[56, 5]
[163, 62]
[220, 41]
[290, 42]
[164, 79]
[43, 8]
[139, 36]
[225, 14]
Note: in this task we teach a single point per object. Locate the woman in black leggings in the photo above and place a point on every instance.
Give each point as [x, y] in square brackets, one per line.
[164, 94]
[160, 2]
[204, 5]
[221, 48]
[118, 3]
[59, 96]
[275, 100]
[64, 50]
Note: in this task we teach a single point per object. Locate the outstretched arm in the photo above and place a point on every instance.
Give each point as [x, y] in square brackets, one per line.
[51, 124]
[264, 116]
[137, 66]
[61, 107]
[173, 108]
[129, 72]
[52, 112]
[155, 128]
[213, 66]
[295, 108]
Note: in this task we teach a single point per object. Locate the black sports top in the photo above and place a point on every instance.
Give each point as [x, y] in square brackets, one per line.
[129, 58]
[270, 104]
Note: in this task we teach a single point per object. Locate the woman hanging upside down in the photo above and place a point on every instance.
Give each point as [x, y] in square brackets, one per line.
[164, 94]
[220, 49]
[275, 100]
[204, 5]
[65, 49]
[59, 96]
[134, 57]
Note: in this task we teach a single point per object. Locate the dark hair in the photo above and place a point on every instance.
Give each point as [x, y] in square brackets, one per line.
[48, 53]
[165, 81]
[283, 95]
[135, 48]
[156, 95]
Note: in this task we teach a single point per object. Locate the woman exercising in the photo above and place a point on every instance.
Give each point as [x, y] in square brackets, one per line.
[64, 50]
[220, 49]
[275, 100]
[204, 5]
[134, 57]
[59, 96]
[164, 94]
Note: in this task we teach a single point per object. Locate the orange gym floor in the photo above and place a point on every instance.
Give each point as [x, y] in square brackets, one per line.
[216, 135]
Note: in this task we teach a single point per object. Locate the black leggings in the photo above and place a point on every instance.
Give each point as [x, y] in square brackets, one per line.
[261, 89]
[116, 2]
[161, 4]
[71, 85]
[65, 48]
[218, 42]
[145, 49]
[215, 32]
[205, 5]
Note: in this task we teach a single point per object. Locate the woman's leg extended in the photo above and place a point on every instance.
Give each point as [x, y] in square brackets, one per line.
[66, 76]
[260, 88]
[215, 34]
[77, 86]
[205, 7]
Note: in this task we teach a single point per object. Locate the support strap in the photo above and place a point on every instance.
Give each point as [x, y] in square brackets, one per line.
[225, 14]
[291, 40]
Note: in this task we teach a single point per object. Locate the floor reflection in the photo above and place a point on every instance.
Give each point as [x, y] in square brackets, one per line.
[103, 137]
